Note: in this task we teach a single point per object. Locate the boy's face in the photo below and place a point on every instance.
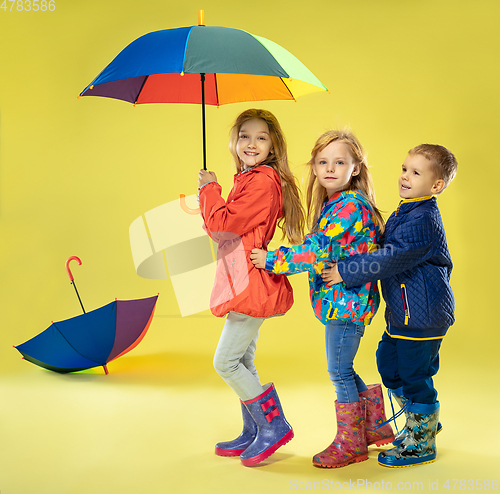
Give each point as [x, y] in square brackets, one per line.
[418, 179]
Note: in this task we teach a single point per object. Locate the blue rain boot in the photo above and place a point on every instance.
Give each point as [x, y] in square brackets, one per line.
[418, 447]
[273, 431]
[397, 394]
[247, 436]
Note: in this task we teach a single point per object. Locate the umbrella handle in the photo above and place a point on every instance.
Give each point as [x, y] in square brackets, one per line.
[185, 207]
[72, 258]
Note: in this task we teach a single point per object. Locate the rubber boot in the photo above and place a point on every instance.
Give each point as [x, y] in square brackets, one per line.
[247, 436]
[273, 431]
[397, 394]
[375, 415]
[419, 445]
[349, 445]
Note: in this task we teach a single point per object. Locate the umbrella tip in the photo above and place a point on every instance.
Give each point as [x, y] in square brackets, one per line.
[201, 20]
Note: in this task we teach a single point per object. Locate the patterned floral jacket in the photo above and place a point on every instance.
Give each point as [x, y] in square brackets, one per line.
[345, 227]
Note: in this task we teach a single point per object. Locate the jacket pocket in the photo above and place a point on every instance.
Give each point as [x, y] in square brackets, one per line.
[406, 307]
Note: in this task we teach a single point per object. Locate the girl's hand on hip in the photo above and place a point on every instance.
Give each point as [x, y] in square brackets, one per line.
[205, 176]
[258, 257]
[330, 275]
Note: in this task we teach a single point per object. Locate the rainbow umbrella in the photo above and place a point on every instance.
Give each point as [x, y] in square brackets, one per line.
[93, 338]
[205, 65]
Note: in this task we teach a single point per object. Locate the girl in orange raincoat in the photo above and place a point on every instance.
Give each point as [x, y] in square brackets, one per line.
[264, 194]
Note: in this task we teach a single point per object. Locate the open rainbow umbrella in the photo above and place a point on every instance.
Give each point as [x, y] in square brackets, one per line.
[232, 66]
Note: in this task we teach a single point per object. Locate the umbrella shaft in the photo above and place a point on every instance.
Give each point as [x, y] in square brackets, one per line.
[203, 120]
[78, 295]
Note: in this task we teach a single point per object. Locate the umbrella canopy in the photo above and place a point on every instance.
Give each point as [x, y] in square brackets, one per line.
[203, 65]
[92, 339]
[165, 67]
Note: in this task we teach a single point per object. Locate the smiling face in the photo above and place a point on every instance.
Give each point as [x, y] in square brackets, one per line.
[254, 142]
[418, 178]
[334, 166]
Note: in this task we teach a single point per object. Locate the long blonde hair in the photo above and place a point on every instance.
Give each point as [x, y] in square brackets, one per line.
[317, 194]
[293, 219]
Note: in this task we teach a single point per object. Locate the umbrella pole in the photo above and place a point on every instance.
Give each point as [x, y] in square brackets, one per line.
[78, 295]
[70, 274]
[203, 120]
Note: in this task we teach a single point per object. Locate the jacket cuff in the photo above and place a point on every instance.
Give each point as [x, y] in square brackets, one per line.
[211, 181]
[269, 261]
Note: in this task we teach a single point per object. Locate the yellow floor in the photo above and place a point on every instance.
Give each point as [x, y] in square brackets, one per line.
[150, 425]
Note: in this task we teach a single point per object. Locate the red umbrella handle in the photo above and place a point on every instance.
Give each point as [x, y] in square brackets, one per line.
[72, 258]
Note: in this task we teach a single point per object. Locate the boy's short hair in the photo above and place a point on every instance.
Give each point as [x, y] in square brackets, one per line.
[443, 161]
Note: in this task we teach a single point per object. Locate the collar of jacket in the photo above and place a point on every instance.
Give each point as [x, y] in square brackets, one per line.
[341, 195]
[408, 204]
[259, 168]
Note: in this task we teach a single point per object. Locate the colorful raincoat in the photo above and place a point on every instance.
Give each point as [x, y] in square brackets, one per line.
[245, 221]
[345, 227]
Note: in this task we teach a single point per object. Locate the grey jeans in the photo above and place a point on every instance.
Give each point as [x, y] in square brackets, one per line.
[234, 357]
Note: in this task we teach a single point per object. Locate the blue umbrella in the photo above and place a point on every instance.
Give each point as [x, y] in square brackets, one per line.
[93, 338]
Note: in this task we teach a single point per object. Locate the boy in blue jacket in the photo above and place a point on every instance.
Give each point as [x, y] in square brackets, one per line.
[414, 267]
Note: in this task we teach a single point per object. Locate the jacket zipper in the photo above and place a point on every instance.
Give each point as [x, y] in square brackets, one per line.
[404, 296]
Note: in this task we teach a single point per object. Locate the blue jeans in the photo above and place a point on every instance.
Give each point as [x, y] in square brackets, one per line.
[234, 357]
[410, 365]
[342, 338]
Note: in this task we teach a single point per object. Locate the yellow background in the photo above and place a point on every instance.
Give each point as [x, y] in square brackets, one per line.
[74, 174]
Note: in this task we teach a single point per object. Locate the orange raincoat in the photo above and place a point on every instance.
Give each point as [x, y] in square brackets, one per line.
[245, 221]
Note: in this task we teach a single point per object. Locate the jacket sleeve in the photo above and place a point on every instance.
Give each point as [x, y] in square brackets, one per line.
[252, 206]
[411, 244]
[316, 247]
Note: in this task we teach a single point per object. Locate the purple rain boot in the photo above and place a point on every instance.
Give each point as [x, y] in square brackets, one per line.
[376, 433]
[247, 436]
[273, 431]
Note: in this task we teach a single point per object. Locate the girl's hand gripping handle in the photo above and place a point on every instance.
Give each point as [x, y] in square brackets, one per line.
[204, 177]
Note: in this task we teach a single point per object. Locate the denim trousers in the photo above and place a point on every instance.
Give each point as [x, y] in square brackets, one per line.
[342, 338]
[410, 365]
[235, 353]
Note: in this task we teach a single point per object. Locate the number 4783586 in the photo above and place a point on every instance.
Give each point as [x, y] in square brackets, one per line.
[28, 5]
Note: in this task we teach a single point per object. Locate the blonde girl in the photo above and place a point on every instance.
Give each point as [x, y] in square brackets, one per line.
[264, 194]
[343, 220]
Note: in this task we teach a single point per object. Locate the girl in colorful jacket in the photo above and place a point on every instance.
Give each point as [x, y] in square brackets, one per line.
[345, 221]
[264, 194]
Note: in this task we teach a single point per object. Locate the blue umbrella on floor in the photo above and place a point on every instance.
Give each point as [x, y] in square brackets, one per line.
[93, 338]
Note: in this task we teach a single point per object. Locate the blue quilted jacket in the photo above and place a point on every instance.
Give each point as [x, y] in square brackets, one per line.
[414, 267]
